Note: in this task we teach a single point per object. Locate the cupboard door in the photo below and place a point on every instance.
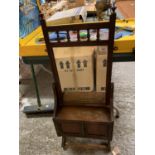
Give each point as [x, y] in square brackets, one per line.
[72, 128]
[97, 130]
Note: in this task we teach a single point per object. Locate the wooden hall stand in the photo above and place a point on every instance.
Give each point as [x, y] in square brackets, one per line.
[83, 114]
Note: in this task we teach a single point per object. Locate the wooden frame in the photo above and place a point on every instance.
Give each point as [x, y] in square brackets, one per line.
[79, 128]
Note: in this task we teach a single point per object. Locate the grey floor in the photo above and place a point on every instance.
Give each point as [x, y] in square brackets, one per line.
[38, 136]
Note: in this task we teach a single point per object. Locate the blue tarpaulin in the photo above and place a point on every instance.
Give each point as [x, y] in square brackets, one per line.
[28, 17]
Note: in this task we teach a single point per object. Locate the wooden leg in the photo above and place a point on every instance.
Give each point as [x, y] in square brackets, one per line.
[63, 145]
[108, 146]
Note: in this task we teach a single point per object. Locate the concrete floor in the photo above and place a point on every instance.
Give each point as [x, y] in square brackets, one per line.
[38, 136]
